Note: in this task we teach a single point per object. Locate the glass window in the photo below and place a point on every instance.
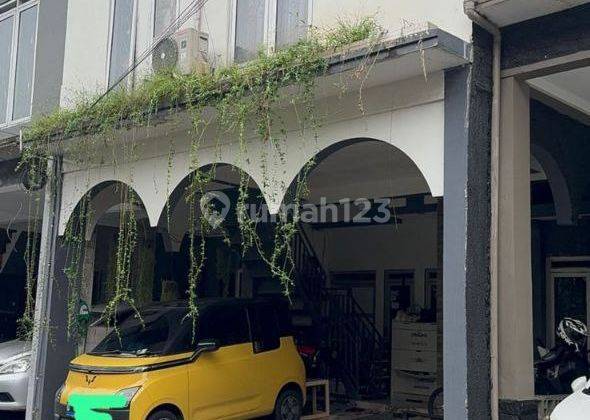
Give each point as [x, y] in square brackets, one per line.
[25, 61]
[226, 324]
[121, 41]
[155, 335]
[5, 54]
[291, 21]
[164, 15]
[265, 328]
[249, 29]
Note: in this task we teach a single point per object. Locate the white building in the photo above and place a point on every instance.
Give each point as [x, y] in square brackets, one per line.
[410, 143]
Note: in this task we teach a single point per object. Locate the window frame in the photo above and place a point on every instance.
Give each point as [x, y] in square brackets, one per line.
[15, 13]
[133, 44]
[270, 26]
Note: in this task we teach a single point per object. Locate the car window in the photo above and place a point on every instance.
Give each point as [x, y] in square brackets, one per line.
[152, 334]
[265, 328]
[226, 324]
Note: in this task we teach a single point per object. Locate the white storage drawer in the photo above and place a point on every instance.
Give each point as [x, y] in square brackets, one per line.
[418, 361]
[413, 339]
[405, 383]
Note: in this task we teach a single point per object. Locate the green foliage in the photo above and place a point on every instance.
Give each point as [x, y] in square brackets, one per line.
[240, 94]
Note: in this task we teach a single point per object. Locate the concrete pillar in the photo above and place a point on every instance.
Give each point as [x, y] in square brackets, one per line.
[88, 270]
[466, 234]
[51, 349]
[515, 322]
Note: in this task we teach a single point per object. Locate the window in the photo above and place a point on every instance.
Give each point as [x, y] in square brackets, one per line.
[249, 29]
[122, 39]
[226, 324]
[264, 325]
[154, 333]
[18, 38]
[291, 21]
[164, 15]
[270, 24]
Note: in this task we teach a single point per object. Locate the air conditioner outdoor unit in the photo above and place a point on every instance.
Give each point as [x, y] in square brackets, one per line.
[187, 50]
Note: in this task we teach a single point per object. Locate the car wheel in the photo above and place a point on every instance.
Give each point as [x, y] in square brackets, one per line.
[288, 405]
[163, 415]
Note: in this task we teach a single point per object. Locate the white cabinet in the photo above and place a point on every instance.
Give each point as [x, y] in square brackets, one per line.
[413, 363]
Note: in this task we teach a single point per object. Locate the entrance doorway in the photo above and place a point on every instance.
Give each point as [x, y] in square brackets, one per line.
[569, 290]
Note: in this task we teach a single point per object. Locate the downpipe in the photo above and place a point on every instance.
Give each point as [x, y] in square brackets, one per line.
[471, 12]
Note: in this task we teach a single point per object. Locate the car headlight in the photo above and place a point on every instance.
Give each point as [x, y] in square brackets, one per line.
[129, 393]
[58, 394]
[18, 365]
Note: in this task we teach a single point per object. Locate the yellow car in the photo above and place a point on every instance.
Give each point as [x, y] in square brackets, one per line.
[241, 363]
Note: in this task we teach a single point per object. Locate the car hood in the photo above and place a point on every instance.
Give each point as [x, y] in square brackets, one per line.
[13, 348]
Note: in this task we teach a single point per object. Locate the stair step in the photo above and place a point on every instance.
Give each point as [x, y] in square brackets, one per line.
[302, 321]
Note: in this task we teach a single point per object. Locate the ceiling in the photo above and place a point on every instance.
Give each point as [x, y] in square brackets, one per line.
[366, 169]
[507, 12]
[17, 209]
[570, 88]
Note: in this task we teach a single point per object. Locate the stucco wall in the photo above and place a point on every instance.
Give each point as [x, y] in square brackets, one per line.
[87, 37]
[412, 124]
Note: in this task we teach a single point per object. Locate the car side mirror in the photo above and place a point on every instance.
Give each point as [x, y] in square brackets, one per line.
[207, 346]
[579, 384]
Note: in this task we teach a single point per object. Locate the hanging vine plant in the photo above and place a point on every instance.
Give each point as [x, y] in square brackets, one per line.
[246, 98]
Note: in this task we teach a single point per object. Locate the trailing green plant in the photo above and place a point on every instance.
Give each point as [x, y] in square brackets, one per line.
[246, 98]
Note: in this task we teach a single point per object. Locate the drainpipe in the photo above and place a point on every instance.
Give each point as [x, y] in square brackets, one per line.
[470, 7]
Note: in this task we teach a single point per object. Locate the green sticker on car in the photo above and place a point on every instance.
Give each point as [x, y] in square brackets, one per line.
[84, 406]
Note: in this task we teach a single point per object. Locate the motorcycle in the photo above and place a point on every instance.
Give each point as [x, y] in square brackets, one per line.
[558, 368]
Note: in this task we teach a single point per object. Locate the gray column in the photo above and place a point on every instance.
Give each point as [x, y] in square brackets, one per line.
[466, 327]
[51, 350]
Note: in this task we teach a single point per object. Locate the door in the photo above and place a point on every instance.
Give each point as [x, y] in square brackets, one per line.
[269, 362]
[569, 293]
[219, 382]
[399, 296]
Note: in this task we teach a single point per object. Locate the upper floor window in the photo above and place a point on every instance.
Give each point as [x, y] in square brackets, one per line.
[122, 42]
[18, 38]
[164, 14]
[267, 24]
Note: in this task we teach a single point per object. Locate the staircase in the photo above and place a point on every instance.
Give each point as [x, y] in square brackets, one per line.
[359, 357]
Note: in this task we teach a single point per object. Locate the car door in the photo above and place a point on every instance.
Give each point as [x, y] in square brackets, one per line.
[219, 381]
[266, 346]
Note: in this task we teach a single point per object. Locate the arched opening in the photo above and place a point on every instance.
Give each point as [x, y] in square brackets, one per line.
[110, 247]
[369, 259]
[210, 221]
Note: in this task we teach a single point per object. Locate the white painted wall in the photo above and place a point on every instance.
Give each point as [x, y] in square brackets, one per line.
[411, 245]
[87, 37]
[413, 123]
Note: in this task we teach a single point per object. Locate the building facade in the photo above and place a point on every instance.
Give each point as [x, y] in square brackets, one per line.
[412, 123]
[470, 122]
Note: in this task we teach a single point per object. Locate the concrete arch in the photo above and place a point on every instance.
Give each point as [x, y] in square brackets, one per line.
[416, 132]
[174, 187]
[102, 201]
[557, 183]
[174, 233]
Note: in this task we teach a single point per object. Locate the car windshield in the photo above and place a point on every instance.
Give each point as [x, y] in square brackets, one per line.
[154, 333]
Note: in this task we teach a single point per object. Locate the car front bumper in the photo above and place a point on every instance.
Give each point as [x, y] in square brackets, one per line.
[61, 413]
[13, 391]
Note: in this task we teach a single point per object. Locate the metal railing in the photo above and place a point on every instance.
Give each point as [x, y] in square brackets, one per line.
[354, 340]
